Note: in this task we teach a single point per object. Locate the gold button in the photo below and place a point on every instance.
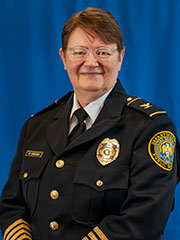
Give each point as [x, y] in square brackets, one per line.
[54, 225]
[25, 175]
[59, 163]
[54, 194]
[129, 99]
[99, 183]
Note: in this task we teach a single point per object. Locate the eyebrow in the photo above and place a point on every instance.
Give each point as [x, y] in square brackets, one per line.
[88, 48]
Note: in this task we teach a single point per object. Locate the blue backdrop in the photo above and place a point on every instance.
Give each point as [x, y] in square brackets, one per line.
[32, 74]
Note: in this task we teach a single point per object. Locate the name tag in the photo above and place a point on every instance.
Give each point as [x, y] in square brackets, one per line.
[31, 153]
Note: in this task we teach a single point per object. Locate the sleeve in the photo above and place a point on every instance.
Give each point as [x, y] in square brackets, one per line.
[152, 181]
[14, 215]
[178, 161]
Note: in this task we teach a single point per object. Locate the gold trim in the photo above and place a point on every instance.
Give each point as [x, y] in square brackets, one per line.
[16, 235]
[152, 114]
[16, 229]
[85, 238]
[135, 99]
[34, 153]
[100, 233]
[24, 236]
[17, 222]
[92, 236]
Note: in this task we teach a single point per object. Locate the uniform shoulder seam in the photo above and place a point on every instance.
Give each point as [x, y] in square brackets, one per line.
[54, 104]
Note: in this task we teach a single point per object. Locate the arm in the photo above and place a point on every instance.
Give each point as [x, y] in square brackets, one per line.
[14, 215]
[149, 200]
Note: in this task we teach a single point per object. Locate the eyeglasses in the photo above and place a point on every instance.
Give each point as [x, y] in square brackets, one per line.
[81, 53]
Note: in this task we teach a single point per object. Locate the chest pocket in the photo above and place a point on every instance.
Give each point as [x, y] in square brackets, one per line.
[31, 173]
[98, 193]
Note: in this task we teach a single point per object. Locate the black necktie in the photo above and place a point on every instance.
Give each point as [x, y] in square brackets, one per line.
[81, 115]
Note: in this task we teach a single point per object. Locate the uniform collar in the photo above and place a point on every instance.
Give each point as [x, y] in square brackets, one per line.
[111, 113]
[93, 109]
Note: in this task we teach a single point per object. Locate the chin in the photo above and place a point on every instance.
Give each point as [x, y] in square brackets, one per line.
[92, 87]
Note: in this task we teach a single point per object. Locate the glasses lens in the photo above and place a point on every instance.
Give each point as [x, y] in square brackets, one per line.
[103, 53]
[78, 53]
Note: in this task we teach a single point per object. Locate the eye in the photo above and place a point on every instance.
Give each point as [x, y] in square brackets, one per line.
[103, 52]
[79, 52]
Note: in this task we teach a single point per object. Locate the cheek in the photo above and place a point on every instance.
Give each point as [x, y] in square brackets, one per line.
[72, 68]
[116, 66]
[111, 68]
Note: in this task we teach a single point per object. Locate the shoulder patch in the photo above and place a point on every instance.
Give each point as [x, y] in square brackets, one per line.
[161, 149]
[144, 106]
[54, 104]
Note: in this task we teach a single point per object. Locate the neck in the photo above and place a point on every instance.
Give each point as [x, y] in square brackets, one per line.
[85, 98]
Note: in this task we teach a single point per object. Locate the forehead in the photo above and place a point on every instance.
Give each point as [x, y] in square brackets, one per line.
[86, 38]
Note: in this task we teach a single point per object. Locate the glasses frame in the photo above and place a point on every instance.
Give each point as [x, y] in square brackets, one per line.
[97, 57]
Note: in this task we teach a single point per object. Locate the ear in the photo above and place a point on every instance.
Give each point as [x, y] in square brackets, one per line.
[61, 53]
[121, 58]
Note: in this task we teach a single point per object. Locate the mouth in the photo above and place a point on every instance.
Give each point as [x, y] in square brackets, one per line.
[91, 73]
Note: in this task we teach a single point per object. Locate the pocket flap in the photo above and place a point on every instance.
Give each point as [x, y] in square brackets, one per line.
[114, 178]
[32, 168]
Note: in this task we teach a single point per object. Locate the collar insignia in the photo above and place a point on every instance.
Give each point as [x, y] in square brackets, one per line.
[146, 105]
[107, 151]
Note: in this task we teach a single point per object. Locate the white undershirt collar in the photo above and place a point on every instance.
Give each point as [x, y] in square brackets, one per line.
[93, 109]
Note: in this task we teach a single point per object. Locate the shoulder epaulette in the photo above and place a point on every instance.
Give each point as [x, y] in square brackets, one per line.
[54, 104]
[143, 106]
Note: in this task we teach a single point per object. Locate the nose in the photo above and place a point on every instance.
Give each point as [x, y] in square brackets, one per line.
[91, 61]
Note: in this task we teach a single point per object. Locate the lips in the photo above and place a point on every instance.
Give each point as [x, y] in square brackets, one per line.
[91, 73]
